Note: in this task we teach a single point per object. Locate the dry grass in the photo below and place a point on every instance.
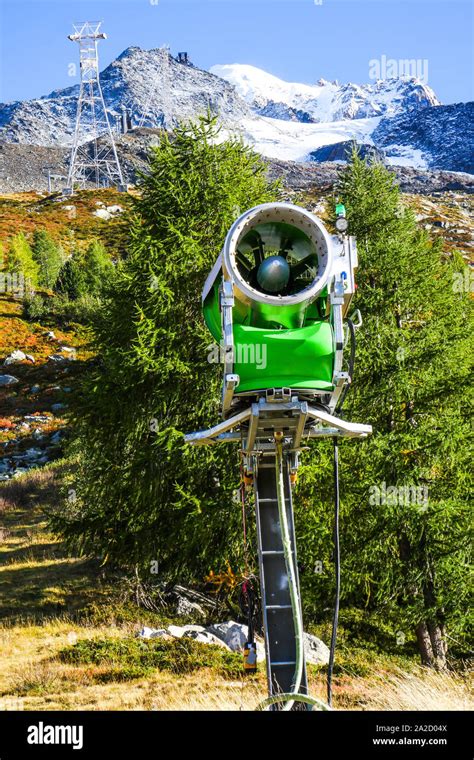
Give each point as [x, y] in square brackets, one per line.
[33, 678]
[423, 690]
[41, 590]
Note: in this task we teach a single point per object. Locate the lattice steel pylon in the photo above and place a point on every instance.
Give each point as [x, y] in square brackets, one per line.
[94, 155]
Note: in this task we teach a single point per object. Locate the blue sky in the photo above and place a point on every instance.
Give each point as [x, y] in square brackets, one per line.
[297, 40]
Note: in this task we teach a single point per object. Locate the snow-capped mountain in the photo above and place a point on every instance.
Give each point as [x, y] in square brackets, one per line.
[324, 101]
[401, 118]
[157, 89]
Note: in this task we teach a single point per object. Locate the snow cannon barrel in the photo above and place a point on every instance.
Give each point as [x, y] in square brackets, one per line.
[276, 298]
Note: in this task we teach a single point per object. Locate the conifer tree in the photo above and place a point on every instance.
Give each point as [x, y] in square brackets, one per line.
[98, 268]
[19, 259]
[49, 257]
[70, 281]
[145, 495]
[405, 515]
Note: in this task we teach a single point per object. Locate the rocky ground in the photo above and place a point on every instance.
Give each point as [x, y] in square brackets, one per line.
[38, 375]
[25, 168]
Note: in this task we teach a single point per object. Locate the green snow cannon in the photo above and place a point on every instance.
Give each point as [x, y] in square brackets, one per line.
[275, 302]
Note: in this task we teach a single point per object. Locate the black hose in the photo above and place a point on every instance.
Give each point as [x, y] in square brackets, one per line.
[337, 562]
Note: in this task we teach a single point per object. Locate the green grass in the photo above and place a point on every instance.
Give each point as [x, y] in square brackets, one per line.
[131, 658]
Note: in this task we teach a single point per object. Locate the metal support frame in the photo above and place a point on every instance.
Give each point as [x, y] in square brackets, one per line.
[297, 419]
[91, 160]
[295, 422]
[231, 380]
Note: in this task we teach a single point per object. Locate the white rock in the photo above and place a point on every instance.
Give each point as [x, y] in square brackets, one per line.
[315, 650]
[178, 631]
[57, 358]
[30, 358]
[187, 607]
[102, 213]
[14, 358]
[206, 638]
[33, 453]
[235, 635]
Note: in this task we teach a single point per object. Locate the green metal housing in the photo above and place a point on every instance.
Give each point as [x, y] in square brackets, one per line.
[277, 346]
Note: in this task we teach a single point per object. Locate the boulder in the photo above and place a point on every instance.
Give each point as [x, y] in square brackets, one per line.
[8, 380]
[58, 407]
[57, 358]
[233, 634]
[316, 651]
[186, 607]
[14, 358]
[206, 638]
[178, 631]
[102, 213]
[190, 603]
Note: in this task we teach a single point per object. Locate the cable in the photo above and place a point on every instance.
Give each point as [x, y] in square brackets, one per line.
[343, 395]
[337, 560]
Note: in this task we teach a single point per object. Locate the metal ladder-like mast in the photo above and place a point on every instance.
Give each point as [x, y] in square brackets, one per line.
[277, 415]
[278, 624]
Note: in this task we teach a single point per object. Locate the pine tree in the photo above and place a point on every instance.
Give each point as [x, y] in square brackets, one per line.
[98, 268]
[406, 516]
[144, 494]
[20, 259]
[70, 281]
[49, 257]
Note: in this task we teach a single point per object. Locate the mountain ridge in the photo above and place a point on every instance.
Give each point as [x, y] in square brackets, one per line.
[402, 119]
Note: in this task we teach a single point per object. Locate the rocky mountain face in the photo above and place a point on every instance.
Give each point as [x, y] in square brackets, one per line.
[436, 137]
[398, 120]
[150, 83]
[443, 135]
[22, 167]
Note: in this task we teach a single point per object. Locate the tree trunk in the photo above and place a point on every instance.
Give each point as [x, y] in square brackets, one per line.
[438, 645]
[424, 645]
